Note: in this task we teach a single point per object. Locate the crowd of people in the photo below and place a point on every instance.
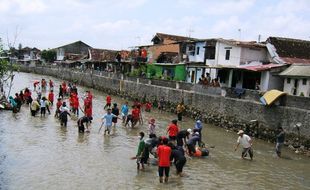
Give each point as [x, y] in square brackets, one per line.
[206, 80]
[176, 146]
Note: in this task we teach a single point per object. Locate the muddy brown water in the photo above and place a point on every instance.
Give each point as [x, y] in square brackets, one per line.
[37, 153]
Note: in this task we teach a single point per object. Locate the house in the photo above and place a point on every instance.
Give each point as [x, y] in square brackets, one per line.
[239, 64]
[297, 80]
[166, 48]
[72, 53]
[194, 57]
[294, 52]
[109, 60]
[29, 55]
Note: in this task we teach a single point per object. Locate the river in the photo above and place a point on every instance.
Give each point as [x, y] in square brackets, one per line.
[37, 153]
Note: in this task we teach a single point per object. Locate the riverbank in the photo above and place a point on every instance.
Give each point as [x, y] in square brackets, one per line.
[229, 113]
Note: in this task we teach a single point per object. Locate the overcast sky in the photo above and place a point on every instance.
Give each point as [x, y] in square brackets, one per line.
[120, 24]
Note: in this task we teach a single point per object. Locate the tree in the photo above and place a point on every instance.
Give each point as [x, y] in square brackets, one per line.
[4, 64]
[48, 55]
[20, 46]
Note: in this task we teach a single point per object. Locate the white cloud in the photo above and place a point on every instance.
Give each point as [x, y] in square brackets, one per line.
[228, 7]
[116, 26]
[21, 7]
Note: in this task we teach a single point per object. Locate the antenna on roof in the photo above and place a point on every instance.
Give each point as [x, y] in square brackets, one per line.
[139, 40]
[239, 30]
[190, 31]
[259, 37]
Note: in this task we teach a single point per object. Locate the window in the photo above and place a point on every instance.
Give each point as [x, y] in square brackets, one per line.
[288, 80]
[210, 52]
[227, 55]
[198, 50]
[191, 49]
[304, 81]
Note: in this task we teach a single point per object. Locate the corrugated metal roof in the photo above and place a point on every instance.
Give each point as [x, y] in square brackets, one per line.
[297, 71]
[290, 60]
[293, 48]
[260, 67]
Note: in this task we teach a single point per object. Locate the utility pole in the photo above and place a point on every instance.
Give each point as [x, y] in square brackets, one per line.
[239, 30]
[190, 31]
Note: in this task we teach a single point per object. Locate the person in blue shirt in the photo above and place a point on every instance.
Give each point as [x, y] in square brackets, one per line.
[198, 128]
[124, 111]
[191, 143]
[107, 121]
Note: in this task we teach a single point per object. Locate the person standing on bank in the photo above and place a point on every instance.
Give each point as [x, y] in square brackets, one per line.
[246, 143]
[180, 110]
[164, 153]
[280, 141]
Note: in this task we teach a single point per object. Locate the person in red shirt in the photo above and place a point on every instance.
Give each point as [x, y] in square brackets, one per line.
[58, 105]
[43, 84]
[137, 103]
[51, 97]
[109, 101]
[89, 112]
[27, 96]
[35, 84]
[51, 83]
[163, 153]
[173, 130]
[76, 105]
[89, 95]
[64, 88]
[135, 116]
[148, 107]
[71, 100]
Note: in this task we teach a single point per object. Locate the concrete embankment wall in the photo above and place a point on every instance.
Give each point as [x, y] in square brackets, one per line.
[225, 112]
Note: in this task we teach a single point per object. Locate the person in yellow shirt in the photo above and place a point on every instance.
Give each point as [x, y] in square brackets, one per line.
[34, 107]
[180, 110]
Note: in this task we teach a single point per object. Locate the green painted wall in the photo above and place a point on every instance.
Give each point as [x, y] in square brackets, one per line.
[156, 71]
[180, 72]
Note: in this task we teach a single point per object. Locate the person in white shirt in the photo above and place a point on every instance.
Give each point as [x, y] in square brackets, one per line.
[246, 143]
[43, 106]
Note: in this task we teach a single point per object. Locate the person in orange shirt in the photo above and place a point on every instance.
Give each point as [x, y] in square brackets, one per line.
[173, 130]
[164, 153]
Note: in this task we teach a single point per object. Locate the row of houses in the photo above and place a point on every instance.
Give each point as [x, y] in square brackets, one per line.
[277, 63]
